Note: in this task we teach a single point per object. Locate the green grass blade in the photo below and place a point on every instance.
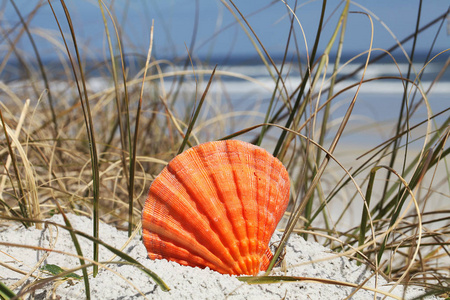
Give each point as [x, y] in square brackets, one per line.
[88, 122]
[125, 130]
[343, 17]
[79, 252]
[124, 256]
[122, 129]
[366, 209]
[197, 111]
[296, 215]
[404, 110]
[39, 284]
[56, 270]
[279, 79]
[5, 292]
[135, 139]
[303, 84]
[326, 113]
[403, 195]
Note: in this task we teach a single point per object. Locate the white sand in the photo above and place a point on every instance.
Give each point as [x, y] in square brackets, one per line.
[185, 282]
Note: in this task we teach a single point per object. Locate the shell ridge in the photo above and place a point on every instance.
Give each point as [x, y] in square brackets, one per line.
[179, 212]
[250, 210]
[255, 195]
[243, 252]
[283, 190]
[176, 233]
[244, 170]
[276, 201]
[214, 205]
[224, 227]
[181, 254]
[202, 210]
[271, 213]
[210, 162]
[261, 188]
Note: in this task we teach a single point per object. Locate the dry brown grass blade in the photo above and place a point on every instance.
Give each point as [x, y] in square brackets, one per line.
[278, 279]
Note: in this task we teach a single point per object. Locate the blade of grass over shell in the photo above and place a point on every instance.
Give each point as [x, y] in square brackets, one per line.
[197, 111]
[88, 122]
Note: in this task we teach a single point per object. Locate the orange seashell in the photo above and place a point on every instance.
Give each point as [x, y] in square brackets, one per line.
[216, 205]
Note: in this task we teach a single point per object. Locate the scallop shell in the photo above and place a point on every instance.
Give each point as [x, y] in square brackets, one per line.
[216, 205]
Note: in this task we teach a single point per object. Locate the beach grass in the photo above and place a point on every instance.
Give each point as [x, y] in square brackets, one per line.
[71, 146]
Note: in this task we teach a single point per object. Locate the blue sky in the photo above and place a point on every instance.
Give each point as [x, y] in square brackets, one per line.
[218, 32]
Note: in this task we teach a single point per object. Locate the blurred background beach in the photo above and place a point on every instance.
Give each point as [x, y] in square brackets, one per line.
[208, 32]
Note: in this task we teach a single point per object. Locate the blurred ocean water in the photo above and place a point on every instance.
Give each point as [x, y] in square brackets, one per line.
[242, 89]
